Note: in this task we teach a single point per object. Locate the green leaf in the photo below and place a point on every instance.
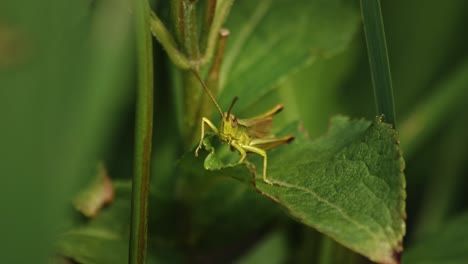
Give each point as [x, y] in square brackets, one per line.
[348, 184]
[105, 238]
[268, 43]
[448, 245]
[98, 193]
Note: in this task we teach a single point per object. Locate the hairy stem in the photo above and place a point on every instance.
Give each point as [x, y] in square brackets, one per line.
[190, 32]
[167, 41]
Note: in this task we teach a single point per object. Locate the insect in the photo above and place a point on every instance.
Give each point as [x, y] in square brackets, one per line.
[245, 135]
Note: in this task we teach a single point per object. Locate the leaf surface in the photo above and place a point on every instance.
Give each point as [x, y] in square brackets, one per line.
[348, 184]
[267, 43]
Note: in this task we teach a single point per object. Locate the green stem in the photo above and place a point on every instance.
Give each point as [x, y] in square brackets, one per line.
[222, 11]
[192, 94]
[448, 97]
[185, 27]
[378, 59]
[190, 30]
[143, 134]
[177, 21]
[209, 12]
[212, 82]
[167, 41]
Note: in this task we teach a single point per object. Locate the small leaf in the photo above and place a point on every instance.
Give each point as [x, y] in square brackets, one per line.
[348, 184]
[97, 194]
[104, 239]
[268, 43]
[448, 245]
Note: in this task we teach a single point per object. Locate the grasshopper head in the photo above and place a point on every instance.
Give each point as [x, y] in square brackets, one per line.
[229, 122]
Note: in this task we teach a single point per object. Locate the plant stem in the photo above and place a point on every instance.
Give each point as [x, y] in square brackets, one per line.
[448, 97]
[212, 82]
[167, 41]
[143, 134]
[177, 22]
[184, 17]
[378, 59]
[190, 29]
[222, 11]
[209, 12]
[215, 69]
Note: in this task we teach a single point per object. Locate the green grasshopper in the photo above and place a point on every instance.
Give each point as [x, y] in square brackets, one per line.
[245, 135]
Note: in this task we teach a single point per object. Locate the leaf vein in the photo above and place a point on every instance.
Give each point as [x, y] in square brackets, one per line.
[332, 205]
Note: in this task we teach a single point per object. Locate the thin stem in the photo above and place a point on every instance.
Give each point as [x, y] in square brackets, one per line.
[167, 41]
[378, 59]
[213, 77]
[209, 12]
[143, 135]
[222, 11]
[212, 83]
[214, 72]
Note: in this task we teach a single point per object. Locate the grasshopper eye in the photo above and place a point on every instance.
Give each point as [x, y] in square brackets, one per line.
[234, 122]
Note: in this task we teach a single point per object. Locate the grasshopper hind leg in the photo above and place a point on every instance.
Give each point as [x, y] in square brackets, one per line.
[243, 151]
[262, 153]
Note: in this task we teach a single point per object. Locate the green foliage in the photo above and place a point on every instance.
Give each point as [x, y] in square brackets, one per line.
[348, 184]
[67, 101]
[268, 43]
[447, 245]
[60, 87]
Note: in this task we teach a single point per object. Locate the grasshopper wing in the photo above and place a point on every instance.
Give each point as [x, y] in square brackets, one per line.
[271, 142]
[260, 126]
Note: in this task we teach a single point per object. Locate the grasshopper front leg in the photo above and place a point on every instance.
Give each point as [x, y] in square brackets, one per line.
[241, 151]
[213, 127]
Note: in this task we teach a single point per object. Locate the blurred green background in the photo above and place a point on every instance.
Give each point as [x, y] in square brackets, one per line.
[67, 95]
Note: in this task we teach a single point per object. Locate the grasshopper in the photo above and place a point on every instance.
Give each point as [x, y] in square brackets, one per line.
[245, 135]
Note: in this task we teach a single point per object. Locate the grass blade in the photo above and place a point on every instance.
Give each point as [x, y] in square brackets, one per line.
[378, 58]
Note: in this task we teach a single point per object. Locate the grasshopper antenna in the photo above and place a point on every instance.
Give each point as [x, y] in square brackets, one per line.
[209, 93]
[230, 107]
